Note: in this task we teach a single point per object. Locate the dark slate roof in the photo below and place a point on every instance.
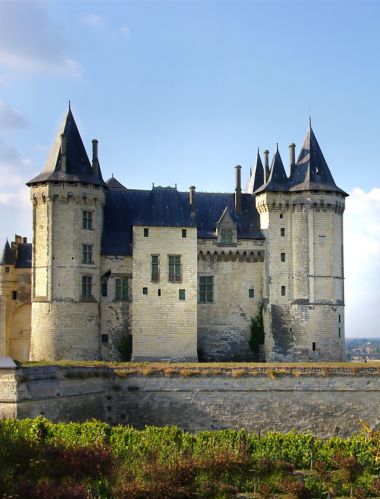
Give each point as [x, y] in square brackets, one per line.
[256, 178]
[112, 183]
[8, 256]
[24, 256]
[121, 208]
[78, 167]
[278, 180]
[165, 206]
[311, 172]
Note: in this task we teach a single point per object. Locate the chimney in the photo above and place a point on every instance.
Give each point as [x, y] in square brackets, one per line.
[63, 152]
[238, 189]
[95, 160]
[266, 165]
[192, 197]
[292, 158]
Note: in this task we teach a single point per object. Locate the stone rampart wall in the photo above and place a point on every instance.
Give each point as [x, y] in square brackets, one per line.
[303, 399]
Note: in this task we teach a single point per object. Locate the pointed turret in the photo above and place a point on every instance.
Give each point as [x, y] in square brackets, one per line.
[68, 160]
[256, 178]
[311, 172]
[8, 257]
[278, 181]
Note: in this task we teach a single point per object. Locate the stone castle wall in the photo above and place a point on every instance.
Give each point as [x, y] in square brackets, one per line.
[301, 399]
[164, 326]
[224, 324]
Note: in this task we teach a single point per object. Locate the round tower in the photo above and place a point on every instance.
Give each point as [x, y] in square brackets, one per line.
[302, 219]
[68, 201]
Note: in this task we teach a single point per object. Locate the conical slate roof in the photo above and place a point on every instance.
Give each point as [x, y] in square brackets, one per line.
[278, 181]
[256, 178]
[8, 257]
[78, 167]
[311, 172]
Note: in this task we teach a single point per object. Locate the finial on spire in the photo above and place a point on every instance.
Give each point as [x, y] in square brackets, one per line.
[309, 121]
[69, 105]
[277, 146]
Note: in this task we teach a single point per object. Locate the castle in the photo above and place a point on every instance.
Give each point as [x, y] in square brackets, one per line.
[183, 272]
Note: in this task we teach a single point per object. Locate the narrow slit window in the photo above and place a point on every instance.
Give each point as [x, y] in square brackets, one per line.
[184, 233]
[282, 232]
[145, 291]
[155, 268]
[283, 257]
[182, 294]
[283, 290]
[251, 293]
[146, 232]
[314, 346]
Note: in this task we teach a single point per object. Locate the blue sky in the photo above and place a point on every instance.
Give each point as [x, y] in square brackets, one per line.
[182, 91]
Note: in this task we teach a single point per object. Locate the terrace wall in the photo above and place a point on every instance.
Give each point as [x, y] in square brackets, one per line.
[325, 401]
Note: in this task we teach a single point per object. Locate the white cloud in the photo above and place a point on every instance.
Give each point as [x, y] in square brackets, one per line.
[91, 19]
[30, 42]
[362, 263]
[10, 117]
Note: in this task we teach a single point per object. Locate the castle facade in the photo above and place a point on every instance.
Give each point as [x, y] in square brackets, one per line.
[184, 273]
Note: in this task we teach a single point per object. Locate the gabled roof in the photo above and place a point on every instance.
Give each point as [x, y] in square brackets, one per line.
[8, 256]
[311, 172]
[226, 217]
[164, 207]
[278, 180]
[256, 178]
[78, 167]
[113, 183]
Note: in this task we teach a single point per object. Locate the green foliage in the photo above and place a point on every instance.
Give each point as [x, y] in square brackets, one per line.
[257, 333]
[125, 348]
[93, 459]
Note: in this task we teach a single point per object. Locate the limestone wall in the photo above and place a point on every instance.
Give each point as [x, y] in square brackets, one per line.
[115, 315]
[302, 399]
[164, 326]
[224, 324]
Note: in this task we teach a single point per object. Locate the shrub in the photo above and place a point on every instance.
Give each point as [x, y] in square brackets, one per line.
[125, 348]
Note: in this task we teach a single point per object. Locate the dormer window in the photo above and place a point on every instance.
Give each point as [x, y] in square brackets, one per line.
[226, 229]
[226, 236]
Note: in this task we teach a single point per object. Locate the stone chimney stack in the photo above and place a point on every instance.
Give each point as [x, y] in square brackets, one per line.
[238, 189]
[63, 152]
[95, 159]
[192, 197]
[266, 165]
[292, 158]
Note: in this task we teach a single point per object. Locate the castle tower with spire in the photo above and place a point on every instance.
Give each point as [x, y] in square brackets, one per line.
[68, 202]
[301, 217]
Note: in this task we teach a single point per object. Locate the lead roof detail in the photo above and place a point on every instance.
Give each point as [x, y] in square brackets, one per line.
[278, 180]
[78, 167]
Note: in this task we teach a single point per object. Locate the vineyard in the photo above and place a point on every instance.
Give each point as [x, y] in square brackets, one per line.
[39, 459]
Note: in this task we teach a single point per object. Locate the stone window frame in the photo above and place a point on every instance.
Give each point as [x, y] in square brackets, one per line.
[87, 254]
[282, 231]
[155, 268]
[283, 290]
[87, 287]
[87, 219]
[205, 294]
[283, 256]
[121, 288]
[174, 268]
[251, 293]
[184, 233]
[182, 294]
[146, 231]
